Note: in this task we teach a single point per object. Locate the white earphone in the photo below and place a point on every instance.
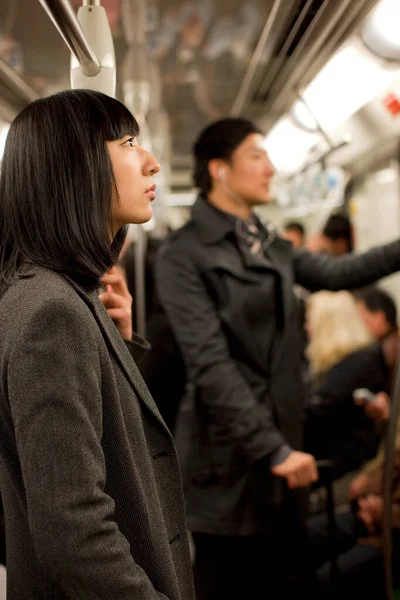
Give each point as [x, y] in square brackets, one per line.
[221, 173]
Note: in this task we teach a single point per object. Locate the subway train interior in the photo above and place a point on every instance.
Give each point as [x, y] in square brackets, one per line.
[319, 78]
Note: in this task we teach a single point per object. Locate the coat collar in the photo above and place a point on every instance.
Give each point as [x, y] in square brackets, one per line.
[212, 225]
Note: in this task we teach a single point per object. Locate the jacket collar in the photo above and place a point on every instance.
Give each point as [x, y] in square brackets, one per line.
[212, 225]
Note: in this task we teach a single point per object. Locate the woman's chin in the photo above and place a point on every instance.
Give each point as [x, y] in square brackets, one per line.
[144, 216]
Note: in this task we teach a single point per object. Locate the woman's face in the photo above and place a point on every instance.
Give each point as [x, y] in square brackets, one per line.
[133, 170]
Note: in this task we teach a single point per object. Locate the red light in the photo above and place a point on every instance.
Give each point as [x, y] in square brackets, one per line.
[392, 104]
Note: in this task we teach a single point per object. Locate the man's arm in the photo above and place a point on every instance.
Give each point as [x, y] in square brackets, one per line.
[317, 272]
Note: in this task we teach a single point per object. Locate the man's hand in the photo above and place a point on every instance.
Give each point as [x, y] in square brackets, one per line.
[358, 486]
[377, 409]
[118, 301]
[370, 511]
[299, 470]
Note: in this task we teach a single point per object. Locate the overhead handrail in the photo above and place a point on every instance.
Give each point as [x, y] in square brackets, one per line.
[64, 18]
[255, 60]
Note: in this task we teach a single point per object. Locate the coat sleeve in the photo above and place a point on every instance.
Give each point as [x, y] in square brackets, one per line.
[197, 328]
[317, 272]
[55, 399]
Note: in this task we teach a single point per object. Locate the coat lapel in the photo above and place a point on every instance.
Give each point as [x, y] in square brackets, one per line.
[118, 347]
[281, 254]
[215, 229]
[279, 260]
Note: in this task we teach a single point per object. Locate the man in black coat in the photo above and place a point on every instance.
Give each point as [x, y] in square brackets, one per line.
[226, 283]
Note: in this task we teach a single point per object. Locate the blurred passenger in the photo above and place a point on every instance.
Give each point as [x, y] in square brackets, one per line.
[370, 476]
[315, 242]
[342, 359]
[295, 233]
[89, 476]
[358, 531]
[226, 282]
[378, 311]
[338, 235]
[358, 545]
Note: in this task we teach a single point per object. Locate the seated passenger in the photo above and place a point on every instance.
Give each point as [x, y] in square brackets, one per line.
[338, 235]
[358, 547]
[294, 232]
[378, 311]
[342, 359]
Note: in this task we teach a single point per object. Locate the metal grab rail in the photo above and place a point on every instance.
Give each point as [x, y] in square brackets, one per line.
[64, 18]
[248, 78]
[16, 83]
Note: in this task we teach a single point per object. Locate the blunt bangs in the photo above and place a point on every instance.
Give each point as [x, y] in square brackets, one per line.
[105, 116]
[56, 186]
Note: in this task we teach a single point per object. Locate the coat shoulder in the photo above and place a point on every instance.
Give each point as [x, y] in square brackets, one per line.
[40, 293]
[184, 242]
[180, 238]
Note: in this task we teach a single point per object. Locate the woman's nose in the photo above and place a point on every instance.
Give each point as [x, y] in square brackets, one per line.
[152, 166]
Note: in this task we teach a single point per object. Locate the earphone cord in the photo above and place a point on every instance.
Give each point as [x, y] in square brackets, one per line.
[234, 196]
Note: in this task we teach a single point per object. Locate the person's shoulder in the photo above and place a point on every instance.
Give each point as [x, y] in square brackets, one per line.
[364, 364]
[37, 284]
[366, 355]
[182, 240]
[39, 291]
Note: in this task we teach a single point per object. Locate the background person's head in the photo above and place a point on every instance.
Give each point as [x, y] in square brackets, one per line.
[295, 233]
[335, 329]
[231, 162]
[378, 311]
[338, 235]
[72, 177]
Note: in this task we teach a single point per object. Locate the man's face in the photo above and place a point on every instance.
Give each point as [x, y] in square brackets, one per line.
[249, 172]
[375, 321]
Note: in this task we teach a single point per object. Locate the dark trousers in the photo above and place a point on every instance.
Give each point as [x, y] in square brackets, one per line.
[360, 567]
[256, 566]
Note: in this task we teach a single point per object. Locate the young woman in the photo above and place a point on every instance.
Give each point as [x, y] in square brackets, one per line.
[88, 472]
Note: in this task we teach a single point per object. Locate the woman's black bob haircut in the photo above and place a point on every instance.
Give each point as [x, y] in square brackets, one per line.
[56, 186]
[218, 140]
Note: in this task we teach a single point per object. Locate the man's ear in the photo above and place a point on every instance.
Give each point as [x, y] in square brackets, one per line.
[216, 169]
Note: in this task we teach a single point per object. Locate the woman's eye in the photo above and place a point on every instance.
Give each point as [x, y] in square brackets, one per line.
[130, 142]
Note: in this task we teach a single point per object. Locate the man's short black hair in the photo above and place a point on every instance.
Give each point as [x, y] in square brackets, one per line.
[218, 140]
[337, 227]
[295, 226]
[376, 299]
[56, 186]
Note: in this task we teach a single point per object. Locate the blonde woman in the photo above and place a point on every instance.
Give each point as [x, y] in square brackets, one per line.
[343, 357]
